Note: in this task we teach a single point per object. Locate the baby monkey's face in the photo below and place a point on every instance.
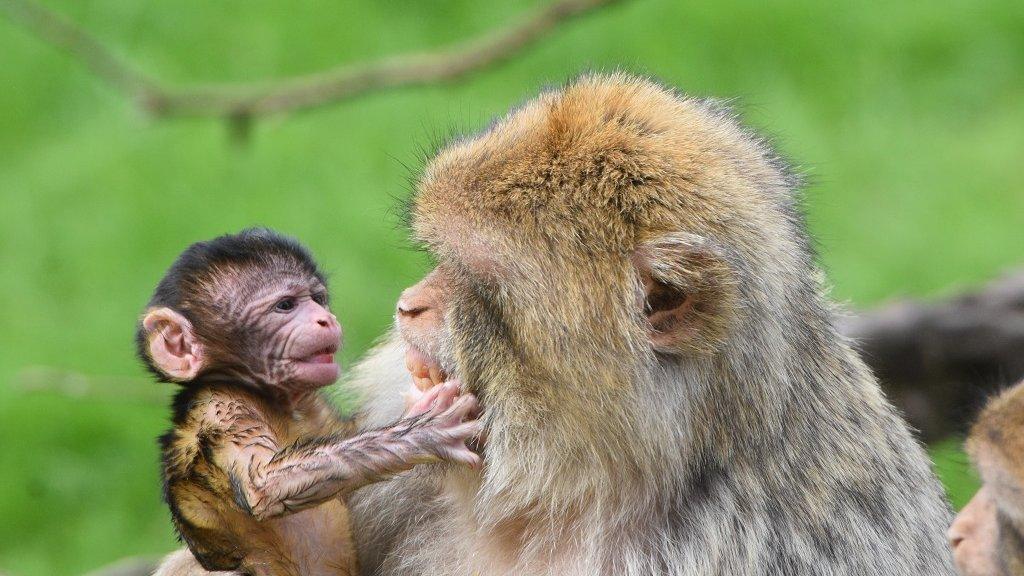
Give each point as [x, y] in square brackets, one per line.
[291, 334]
[248, 308]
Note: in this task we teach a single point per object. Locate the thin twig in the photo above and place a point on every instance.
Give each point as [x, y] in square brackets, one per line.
[134, 566]
[241, 101]
[61, 32]
[46, 379]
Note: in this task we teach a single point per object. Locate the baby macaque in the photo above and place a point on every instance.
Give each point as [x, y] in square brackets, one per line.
[257, 462]
[988, 535]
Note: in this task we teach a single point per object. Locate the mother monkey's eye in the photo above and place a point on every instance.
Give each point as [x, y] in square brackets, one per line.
[285, 305]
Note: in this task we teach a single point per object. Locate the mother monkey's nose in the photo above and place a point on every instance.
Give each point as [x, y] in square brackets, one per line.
[410, 305]
[422, 302]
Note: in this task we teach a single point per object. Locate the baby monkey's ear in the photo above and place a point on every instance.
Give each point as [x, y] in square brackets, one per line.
[689, 293]
[171, 344]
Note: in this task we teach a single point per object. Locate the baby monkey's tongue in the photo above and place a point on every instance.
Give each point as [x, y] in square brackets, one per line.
[426, 372]
[324, 358]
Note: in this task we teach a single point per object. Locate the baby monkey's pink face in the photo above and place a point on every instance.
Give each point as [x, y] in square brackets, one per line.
[299, 334]
[257, 326]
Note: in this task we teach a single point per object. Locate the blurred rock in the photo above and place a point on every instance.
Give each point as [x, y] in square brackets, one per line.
[938, 361]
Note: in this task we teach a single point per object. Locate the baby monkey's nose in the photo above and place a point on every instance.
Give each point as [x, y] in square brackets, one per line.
[327, 320]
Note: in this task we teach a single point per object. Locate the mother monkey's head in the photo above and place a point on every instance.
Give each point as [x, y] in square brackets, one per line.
[594, 252]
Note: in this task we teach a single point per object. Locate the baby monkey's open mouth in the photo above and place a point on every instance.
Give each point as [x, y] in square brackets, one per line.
[426, 372]
[323, 356]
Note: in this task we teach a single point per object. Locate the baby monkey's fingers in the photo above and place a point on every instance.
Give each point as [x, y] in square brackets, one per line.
[445, 397]
[463, 455]
[412, 396]
[466, 407]
[467, 430]
[452, 446]
[441, 423]
[434, 401]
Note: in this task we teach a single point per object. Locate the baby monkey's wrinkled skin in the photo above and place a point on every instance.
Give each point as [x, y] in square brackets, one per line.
[257, 463]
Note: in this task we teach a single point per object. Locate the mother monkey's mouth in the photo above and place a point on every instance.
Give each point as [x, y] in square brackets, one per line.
[420, 319]
[425, 370]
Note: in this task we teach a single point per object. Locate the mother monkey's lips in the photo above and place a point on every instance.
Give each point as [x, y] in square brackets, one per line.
[426, 371]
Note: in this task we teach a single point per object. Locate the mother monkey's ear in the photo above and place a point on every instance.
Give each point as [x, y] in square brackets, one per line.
[689, 293]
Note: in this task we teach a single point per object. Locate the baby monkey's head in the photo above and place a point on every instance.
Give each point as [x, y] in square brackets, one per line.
[250, 307]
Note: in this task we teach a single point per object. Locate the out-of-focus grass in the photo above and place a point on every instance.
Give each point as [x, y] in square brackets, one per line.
[953, 467]
[905, 116]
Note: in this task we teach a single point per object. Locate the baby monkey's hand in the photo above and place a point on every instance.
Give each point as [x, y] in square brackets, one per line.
[439, 423]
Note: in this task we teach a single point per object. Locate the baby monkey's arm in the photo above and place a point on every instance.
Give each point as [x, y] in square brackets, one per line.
[269, 482]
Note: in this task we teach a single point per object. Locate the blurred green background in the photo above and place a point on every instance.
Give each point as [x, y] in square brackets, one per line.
[907, 117]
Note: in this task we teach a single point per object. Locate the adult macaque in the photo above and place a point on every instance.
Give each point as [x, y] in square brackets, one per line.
[987, 536]
[625, 281]
[257, 462]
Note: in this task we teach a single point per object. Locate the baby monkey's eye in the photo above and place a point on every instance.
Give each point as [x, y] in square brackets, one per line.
[285, 305]
[320, 298]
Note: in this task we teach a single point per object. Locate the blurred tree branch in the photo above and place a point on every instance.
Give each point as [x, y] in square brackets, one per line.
[134, 566]
[240, 102]
[76, 385]
[937, 360]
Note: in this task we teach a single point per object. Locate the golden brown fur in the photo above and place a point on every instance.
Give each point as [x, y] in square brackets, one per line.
[204, 502]
[629, 289]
